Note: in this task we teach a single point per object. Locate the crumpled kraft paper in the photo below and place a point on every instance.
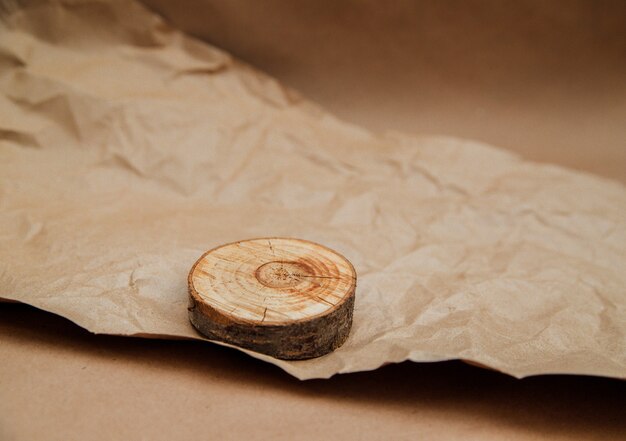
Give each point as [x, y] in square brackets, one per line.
[127, 149]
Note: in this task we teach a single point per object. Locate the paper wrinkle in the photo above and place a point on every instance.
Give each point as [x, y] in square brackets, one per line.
[127, 149]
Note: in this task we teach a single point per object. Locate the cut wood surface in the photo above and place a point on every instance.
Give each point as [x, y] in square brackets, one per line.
[288, 298]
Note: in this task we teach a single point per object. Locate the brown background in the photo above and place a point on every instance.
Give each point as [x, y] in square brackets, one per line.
[545, 79]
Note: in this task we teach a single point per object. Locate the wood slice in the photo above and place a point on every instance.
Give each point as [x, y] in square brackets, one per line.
[288, 298]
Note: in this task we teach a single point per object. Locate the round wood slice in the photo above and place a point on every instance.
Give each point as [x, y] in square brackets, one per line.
[288, 298]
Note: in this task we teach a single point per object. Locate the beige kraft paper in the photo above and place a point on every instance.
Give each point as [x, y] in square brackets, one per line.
[127, 149]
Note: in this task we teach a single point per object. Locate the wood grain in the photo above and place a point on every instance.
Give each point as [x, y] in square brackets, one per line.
[288, 298]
